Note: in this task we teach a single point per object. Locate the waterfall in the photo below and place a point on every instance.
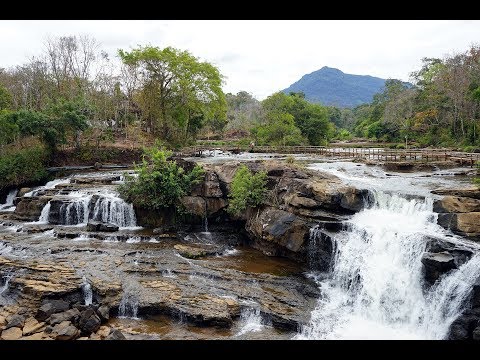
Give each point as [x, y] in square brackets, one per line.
[43, 219]
[111, 209]
[87, 291]
[47, 186]
[128, 307]
[8, 206]
[3, 288]
[250, 320]
[75, 212]
[375, 288]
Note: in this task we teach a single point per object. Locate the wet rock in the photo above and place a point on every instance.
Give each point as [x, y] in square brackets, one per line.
[89, 321]
[165, 229]
[298, 201]
[100, 226]
[437, 264]
[65, 331]
[476, 334]
[195, 205]
[279, 227]
[51, 307]
[15, 321]
[13, 333]
[447, 221]
[69, 315]
[104, 312]
[469, 224]
[96, 180]
[116, 334]
[455, 204]
[471, 192]
[32, 326]
[212, 185]
[215, 205]
[30, 208]
[23, 191]
[195, 252]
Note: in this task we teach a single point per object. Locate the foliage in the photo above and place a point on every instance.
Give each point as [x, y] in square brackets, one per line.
[176, 92]
[292, 120]
[160, 182]
[247, 190]
[22, 166]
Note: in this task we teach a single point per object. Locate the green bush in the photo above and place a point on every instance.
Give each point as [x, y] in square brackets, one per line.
[160, 182]
[247, 190]
[23, 166]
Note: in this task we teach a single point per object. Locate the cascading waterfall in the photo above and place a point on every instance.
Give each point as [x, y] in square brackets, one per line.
[375, 289]
[250, 319]
[43, 219]
[128, 307]
[4, 287]
[111, 209]
[87, 291]
[75, 212]
[8, 206]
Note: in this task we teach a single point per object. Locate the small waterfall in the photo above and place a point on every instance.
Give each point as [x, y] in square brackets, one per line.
[128, 307]
[112, 209]
[75, 212]
[4, 287]
[318, 245]
[43, 219]
[47, 186]
[376, 289]
[87, 292]
[250, 320]
[9, 201]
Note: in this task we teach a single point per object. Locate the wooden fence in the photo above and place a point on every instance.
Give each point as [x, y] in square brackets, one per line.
[380, 154]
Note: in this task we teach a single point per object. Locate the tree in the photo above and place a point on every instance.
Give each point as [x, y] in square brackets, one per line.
[247, 190]
[5, 98]
[175, 90]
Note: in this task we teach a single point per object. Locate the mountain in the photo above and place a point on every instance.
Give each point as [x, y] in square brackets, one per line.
[330, 86]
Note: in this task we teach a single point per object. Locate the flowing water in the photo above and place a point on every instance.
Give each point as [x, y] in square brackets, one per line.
[8, 206]
[375, 289]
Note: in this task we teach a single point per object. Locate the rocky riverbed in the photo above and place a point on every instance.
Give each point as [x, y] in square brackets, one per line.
[77, 262]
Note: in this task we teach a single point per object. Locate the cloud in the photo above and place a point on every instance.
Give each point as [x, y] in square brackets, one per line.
[260, 56]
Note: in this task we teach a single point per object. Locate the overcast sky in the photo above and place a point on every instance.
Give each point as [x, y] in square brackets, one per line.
[262, 57]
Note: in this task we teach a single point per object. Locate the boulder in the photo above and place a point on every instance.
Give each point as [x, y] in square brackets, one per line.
[15, 321]
[30, 208]
[304, 202]
[104, 312]
[13, 333]
[469, 224]
[103, 331]
[36, 336]
[215, 205]
[65, 331]
[89, 321]
[195, 205]
[455, 204]
[100, 226]
[194, 252]
[436, 264]
[476, 333]
[51, 307]
[23, 191]
[69, 315]
[211, 187]
[279, 227]
[471, 192]
[32, 326]
[116, 334]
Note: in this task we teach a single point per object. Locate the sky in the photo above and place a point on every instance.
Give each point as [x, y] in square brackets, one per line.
[262, 56]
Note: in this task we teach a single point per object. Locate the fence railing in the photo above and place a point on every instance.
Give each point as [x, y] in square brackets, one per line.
[381, 154]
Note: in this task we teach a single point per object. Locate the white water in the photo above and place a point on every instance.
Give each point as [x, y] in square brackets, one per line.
[47, 186]
[109, 208]
[128, 307]
[87, 292]
[250, 320]
[43, 219]
[8, 206]
[376, 288]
